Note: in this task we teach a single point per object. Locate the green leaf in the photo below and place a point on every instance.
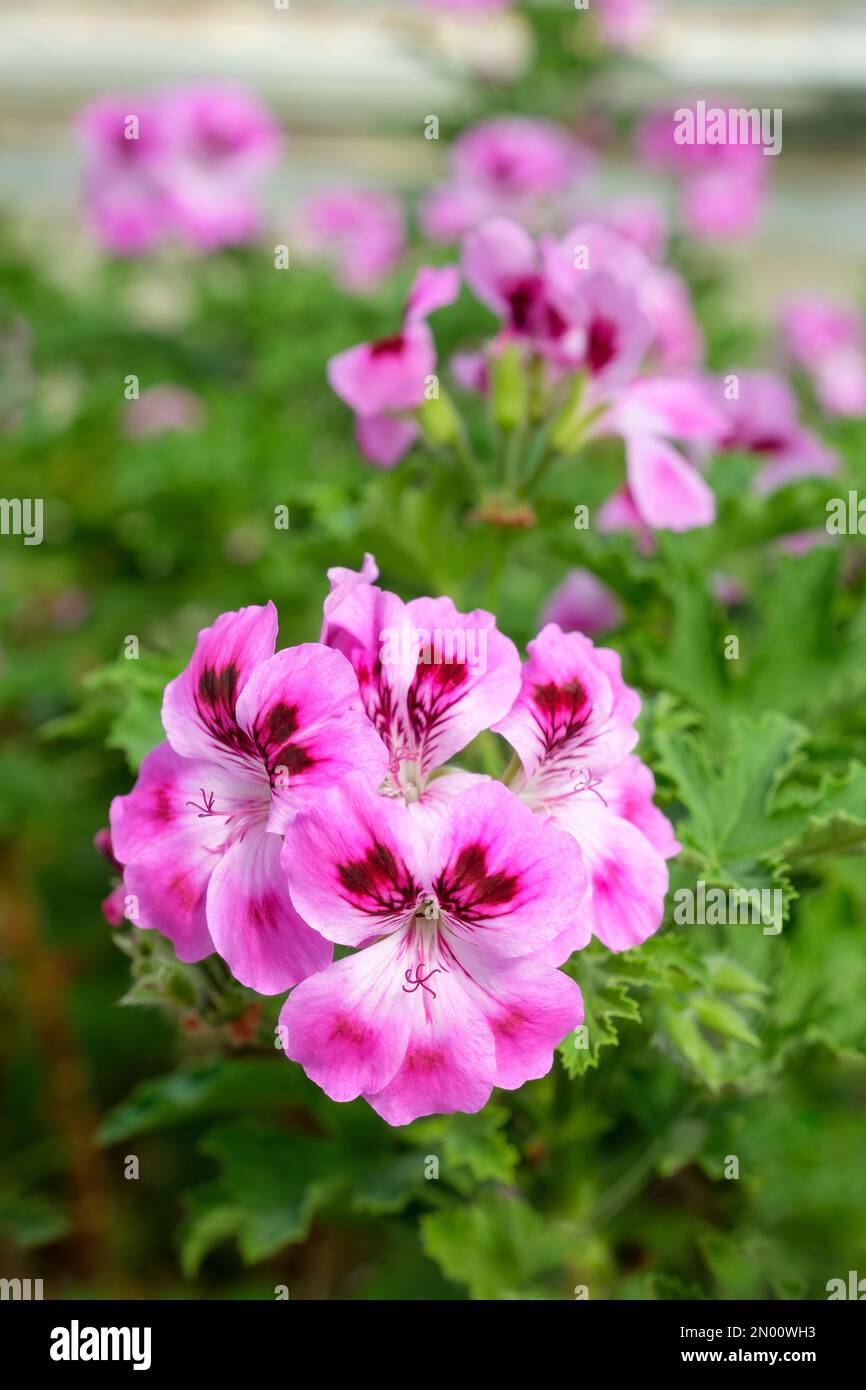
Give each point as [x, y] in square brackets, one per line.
[474, 1143]
[269, 1189]
[192, 1093]
[499, 1247]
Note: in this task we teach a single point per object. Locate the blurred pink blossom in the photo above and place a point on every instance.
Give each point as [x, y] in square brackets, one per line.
[582, 603]
[160, 409]
[724, 186]
[625, 23]
[763, 419]
[186, 163]
[505, 166]
[829, 341]
[361, 229]
[384, 381]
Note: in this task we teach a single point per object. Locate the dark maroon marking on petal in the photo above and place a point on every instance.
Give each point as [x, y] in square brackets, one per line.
[380, 878]
[215, 701]
[602, 344]
[767, 444]
[265, 912]
[561, 711]
[468, 891]
[294, 759]
[349, 1030]
[282, 722]
[388, 346]
[162, 804]
[530, 311]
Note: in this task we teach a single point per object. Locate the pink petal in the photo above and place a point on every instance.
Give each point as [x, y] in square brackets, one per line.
[679, 407]
[302, 713]
[449, 1060]
[503, 878]
[629, 790]
[390, 375]
[433, 288]
[628, 878]
[356, 863]
[169, 885]
[564, 719]
[493, 254]
[384, 439]
[254, 925]
[349, 1025]
[198, 709]
[529, 1008]
[467, 678]
[668, 492]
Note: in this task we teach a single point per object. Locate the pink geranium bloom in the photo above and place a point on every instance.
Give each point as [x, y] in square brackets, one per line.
[572, 726]
[125, 145]
[625, 23]
[582, 603]
[384, 381]
[661, 295]
[577, 319]
[507, 166]
[665, 489]
[192, 168]
[223, 142]
[764, 420]
[252, 737]
[431, 678]
[829, 341]
[362, 229]
[724, 186]
[453, 996]
[160, 409]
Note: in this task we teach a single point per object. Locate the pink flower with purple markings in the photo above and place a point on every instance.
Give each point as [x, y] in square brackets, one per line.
[186, 163]
[253, 737]
[764, 419]
[572, 727]
[829, 341]
[582, 603]
[723, 186]
[451, 994]
[510, 166]
[360, 229]
[385, 382]
[665, 488]
[431, 679]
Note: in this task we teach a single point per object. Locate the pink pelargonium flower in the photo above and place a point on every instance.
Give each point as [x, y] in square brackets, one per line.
[431, 678]
[724, 186]
[591, 248]
[829, 341]
[572, 727]
[187, 162]
[125, 144]
[507, 166]
[450, 995]
[252, 738]
[576, 320]
[625, 23]
[583, 603]
[665, 489]
[384, 381]
[763, 419]
[361, 229]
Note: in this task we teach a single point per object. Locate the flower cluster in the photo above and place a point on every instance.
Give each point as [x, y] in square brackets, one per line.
[185, 164]
[308, 797]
